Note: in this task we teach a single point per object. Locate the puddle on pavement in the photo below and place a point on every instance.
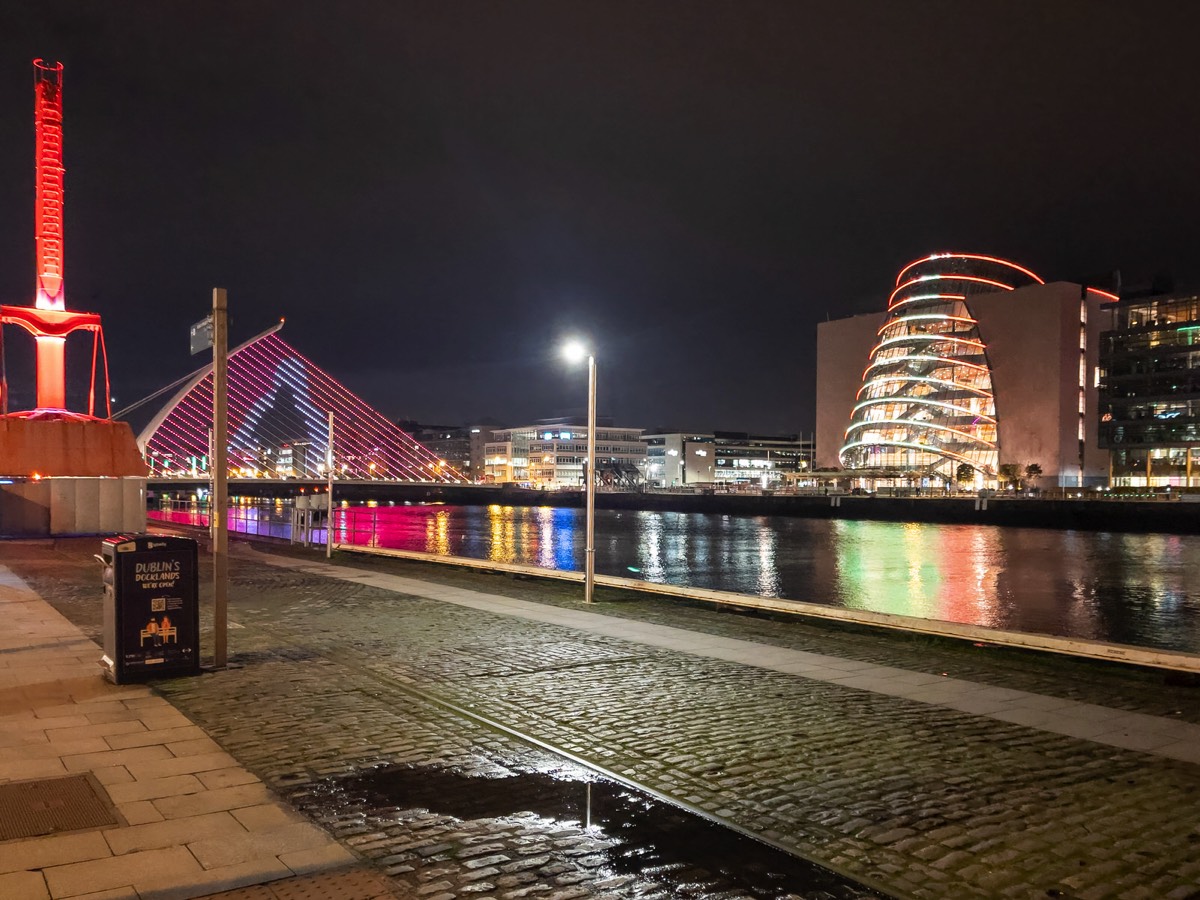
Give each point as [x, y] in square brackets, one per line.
[648, 839]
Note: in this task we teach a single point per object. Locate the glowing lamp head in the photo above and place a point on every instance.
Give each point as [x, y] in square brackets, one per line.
[575, 351]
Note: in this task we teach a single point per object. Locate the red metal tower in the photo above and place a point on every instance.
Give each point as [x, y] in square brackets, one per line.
[48, 320]
[48, 162]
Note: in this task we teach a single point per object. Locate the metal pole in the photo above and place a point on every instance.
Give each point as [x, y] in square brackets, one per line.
[219, 514]
[329, 492]
[589, 573]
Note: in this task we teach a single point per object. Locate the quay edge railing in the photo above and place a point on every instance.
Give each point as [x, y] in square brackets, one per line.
[360, 525]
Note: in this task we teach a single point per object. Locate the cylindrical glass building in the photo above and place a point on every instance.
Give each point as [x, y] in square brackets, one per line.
[926, 405]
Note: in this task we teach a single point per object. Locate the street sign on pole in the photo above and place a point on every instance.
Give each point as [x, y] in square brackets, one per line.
[201, 335]
[218, 511]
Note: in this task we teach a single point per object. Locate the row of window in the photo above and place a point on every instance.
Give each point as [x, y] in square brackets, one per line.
[1114, 434]
[1158, 312]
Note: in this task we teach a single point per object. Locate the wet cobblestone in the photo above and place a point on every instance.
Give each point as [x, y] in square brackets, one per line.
[929, 801]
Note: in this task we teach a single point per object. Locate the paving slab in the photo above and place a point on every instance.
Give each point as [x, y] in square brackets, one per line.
[59, 716]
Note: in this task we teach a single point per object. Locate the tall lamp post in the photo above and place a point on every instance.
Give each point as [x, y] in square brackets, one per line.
[575, 352]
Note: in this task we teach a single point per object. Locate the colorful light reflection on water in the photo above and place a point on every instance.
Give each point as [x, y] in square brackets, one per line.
[1141, 589]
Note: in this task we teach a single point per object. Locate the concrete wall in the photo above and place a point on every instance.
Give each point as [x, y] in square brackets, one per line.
[53, 506]
[1032, 338]
[699, 461]
[25, 509]
[843, 350]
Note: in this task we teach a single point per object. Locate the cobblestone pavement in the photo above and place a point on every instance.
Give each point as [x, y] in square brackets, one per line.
[927, 801]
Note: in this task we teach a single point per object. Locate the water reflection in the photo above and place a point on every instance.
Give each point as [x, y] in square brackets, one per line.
[437, 533]
[1131, 588]
[768, 571]
[546, 543]
[649, 530]
[913, 569]
[504, 545]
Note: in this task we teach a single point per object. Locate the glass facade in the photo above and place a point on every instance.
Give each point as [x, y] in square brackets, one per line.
[926, 406]
[1150, 391]
[769, 461]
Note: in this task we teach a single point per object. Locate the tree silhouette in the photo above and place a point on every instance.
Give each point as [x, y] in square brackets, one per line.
[1032, 473]
[964, 474]
[1010, 474]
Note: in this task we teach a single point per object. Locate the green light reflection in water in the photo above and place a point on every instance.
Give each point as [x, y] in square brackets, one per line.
[888, 567]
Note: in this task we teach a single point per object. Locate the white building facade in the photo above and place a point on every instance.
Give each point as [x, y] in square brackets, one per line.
[726, 458]
[679, 458]
[553, 455]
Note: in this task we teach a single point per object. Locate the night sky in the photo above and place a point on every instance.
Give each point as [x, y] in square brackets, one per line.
[434, 194]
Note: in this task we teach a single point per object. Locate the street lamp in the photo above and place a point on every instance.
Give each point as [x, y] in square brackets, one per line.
[574, 351]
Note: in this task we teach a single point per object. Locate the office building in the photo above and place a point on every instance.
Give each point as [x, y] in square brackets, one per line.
[976, 364]
[676, 459]
[1150, 390]
[461, 446]
[553, 454]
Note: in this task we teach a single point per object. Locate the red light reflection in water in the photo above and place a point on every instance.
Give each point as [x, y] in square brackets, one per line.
[543, 536]
[968, 589]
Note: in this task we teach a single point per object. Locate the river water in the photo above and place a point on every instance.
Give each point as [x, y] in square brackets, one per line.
[1140, 589]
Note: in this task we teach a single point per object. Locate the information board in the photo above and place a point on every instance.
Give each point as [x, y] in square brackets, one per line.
[153, 631]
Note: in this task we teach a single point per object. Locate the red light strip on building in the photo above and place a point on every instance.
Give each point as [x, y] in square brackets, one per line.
[924, 401]
[983, 258]
[908, 357]
[909, 445]
[934, 426]
[924, 278]
[931, 336]
[925, 379]
[940, 316]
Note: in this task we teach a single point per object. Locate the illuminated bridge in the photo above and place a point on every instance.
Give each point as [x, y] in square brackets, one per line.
[279, 406]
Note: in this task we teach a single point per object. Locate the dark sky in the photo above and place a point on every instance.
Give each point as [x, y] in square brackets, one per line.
[435, 193]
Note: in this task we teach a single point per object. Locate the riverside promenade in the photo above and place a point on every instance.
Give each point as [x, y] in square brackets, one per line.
[923, 767]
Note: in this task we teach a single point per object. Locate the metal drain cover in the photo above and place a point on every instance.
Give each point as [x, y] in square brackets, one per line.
[355, 883]
[33, 808]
